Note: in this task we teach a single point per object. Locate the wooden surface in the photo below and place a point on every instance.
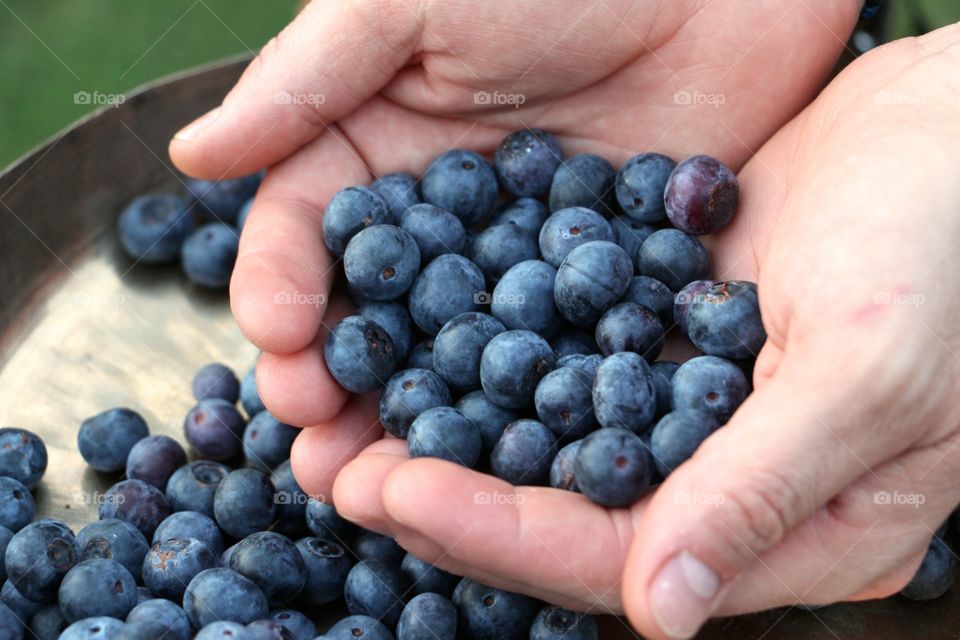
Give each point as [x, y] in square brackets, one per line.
[82, 331]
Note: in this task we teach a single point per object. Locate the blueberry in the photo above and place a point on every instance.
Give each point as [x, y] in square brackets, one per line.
[630, 234]
[724, 320]
[222, 594]
[493, 614]
[249, 396]
[216, 381]
[190, 524]
[935, 575]
[677, 435]
[584, 180]
[291, 500]
[685, 299]
[10, 626]
[153, 227]
[5, 536]
[273, 563]
[623, 392]
[377, 589]
[663, 388]
[358, 628]
[49, 623]
[218, 630]
[105, 440]
[427, 578]
[192, 486]
[428, 615]
[556, 623]
[408, 394]
[294, 624]
[591, 280]
[97, 587]
[497, 248]
[640, 186]
[99, 628]
[435, 231]
[461, 182]
[574, 341]
[349, 211]
[523, 299]
[324, 522]
[701, 195]
[400, 191]
[172, 563]
[562, 475]
[448, 286]
[524, 453]
[458, 347]
[115, 540]
[674, 258]
[526, 160]
[209, 254]
[137, 502]
[584, 362]
[22, 456]
[369, 545]
[267, 630]
[710, 384]
[359, 354]
[143, 594]
[222, 199]
[491, 419]
[653, 294]
[381, 262]
[445, 433]
[564, 403]
[569, 228]
[245, 502]
[244, 213]
[512, 365]
[327, 564]
[16, 504]
[613, 467]
[527, 213]
[393, 318]
[171, 618]
[267, 441]
[631, 327]
[21, 606]
[154, 459]
[421, 356]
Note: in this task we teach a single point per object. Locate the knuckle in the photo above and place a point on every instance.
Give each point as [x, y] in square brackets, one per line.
[760, 514]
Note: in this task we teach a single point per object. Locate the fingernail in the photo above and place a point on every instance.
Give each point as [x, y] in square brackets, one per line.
[682, 595]
[190, 131]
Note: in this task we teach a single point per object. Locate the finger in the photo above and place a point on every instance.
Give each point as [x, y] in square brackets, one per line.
[283, 274]
[793, 445]
[320, 452]
[330, 59]
[518, 538]
[298, 388]
[357, 490]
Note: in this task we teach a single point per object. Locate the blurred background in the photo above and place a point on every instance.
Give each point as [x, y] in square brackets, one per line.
[66, 58]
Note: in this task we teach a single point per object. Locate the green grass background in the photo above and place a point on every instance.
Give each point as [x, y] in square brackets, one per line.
[54, 48]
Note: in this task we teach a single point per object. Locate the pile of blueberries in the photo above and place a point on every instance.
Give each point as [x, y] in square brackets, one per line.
[537, 324]
[226, 546]
[201, 228]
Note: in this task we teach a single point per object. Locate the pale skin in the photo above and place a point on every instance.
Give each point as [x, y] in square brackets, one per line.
[848, 222]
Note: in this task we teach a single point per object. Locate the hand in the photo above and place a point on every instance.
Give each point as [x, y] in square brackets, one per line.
[829, 481]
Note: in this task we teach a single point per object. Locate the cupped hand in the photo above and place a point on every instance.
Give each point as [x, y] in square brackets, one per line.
[829, 481]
